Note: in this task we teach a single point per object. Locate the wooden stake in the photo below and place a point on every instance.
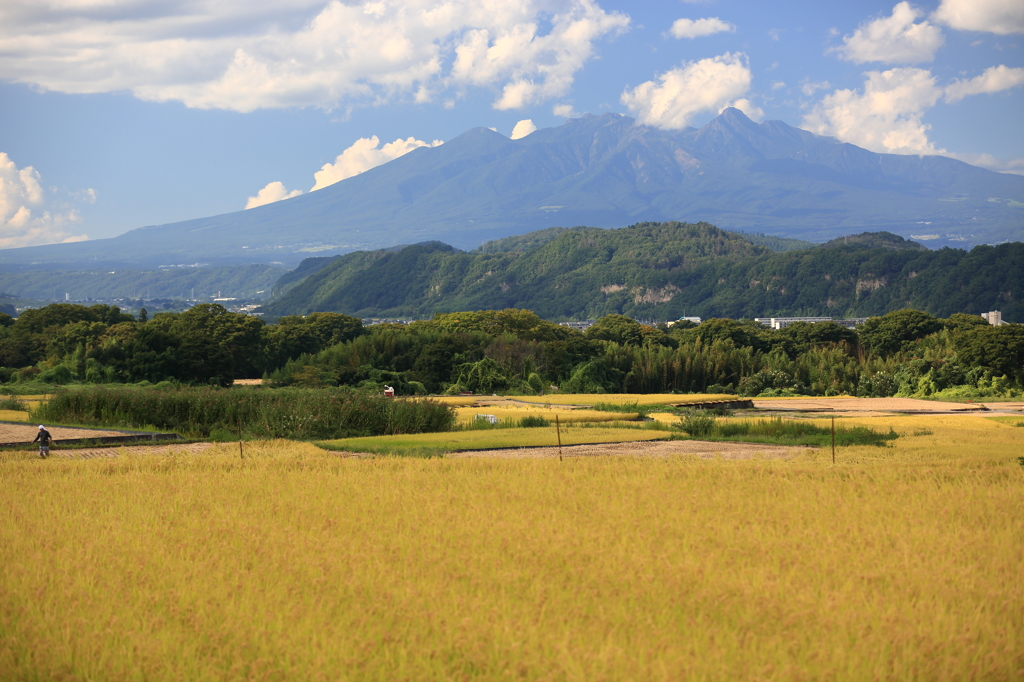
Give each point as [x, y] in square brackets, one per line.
[833, 439]
[558, 431]
[240, 455]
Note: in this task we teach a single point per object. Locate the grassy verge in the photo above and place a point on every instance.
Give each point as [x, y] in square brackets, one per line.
[436, 444]
[779, 431]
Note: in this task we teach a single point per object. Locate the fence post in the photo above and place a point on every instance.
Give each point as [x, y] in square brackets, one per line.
[240, 455]
[833, 439]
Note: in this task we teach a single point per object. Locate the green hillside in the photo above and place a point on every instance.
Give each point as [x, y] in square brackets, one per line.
[664, 271]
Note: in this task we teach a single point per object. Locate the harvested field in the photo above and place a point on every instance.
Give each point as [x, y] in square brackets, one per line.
[705, 449]
[18, 433]
[907, 405]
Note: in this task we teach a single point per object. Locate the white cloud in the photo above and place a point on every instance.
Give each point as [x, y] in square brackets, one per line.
[1014, 166]
[885, 117]
[683, 92]
[564, 110]
[364, 155]
[778, 85]
[25, 219]
[522, 129]
[249, 54]
[689, 28]
[809, 88]
[994, 16]
[994, 79]
[895, 39]
[274, 191]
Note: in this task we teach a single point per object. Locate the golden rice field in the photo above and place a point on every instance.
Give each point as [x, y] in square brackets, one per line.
[296, 564]
[514, 412]
[13, 416]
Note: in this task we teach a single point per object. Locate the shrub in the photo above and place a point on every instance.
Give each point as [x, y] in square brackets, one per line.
[698, 424]
[533, 422]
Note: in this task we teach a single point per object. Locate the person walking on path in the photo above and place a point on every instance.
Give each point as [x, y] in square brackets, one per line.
[44, 439]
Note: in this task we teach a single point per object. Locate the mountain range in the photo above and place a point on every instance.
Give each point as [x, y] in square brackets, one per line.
[603, 171]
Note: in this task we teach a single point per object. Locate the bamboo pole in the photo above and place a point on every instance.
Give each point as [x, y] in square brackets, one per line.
[833, 439]
[558, 431]
[240, 455]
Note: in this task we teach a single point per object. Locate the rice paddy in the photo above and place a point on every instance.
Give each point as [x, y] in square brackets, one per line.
[510, 412]
[290, 562]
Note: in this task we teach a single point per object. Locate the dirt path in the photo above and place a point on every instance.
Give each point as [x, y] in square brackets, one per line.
[705, 449]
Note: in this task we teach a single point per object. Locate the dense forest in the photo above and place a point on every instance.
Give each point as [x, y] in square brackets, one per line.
[664, 271]
[906, 352]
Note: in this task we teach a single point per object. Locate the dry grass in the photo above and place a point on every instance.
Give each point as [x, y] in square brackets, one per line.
[898, 563]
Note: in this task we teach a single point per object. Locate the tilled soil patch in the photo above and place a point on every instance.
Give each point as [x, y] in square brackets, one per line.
[24, 433]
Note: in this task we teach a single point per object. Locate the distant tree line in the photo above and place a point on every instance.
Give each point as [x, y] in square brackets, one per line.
[906, 352]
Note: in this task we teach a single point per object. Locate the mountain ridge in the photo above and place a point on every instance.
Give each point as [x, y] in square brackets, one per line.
[665, 271]
[600, 170]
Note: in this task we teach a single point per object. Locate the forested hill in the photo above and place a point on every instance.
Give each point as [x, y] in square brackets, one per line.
[664, 271]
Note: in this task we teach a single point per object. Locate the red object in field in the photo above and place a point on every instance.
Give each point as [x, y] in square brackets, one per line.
[389, 392]
[465, 392]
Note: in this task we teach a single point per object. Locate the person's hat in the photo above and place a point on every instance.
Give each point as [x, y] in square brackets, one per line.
[41, 426]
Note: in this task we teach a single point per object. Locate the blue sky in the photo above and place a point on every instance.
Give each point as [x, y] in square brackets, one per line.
[116, 114]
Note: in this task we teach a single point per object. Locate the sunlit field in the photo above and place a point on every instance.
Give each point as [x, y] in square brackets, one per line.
[621, 398]
[513, 412]
[292, 563]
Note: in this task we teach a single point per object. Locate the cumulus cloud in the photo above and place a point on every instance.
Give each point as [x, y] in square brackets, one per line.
[274, 191]
[523, 128]
[25, 218]
[364, 155]
[895, 39]
[564, 110]
[885, 116]
[250, 54]
[994, 79]
[681, 93]
[690, 28]
[994, 16]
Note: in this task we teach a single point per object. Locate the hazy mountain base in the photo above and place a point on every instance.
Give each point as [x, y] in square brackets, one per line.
[664, 271]
[237, 281]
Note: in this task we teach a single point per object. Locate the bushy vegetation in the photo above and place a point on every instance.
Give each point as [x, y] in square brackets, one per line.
[515, 352]
[287, 413]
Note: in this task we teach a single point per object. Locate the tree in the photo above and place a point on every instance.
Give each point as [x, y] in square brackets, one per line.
[896, 331]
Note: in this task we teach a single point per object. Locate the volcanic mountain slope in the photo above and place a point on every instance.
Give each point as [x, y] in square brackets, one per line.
[604, 171]
[665, 271]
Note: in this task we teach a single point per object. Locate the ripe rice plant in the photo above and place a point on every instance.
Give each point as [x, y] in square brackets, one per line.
[301, 414]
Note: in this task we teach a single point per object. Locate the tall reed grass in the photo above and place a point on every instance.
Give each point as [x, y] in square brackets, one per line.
[302, 414]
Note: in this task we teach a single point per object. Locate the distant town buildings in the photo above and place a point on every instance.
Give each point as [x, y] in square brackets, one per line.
[994, 318]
